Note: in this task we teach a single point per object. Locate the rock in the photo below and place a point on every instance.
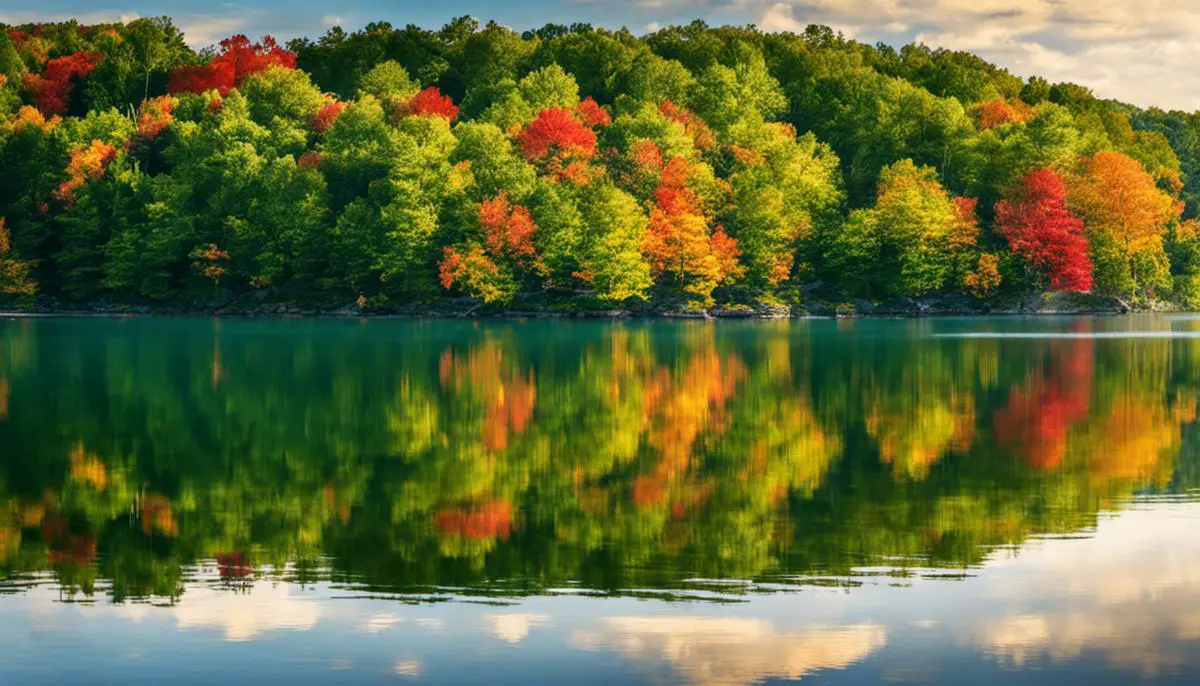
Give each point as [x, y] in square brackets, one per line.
[732, 312]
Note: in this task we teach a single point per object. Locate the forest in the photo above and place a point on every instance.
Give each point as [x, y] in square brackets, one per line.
[693, 166]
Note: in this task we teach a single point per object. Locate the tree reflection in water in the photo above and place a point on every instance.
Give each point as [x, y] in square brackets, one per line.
[526, 456]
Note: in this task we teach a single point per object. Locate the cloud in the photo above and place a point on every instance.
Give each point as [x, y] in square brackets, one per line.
[86, 18]
[328, 20]
[203, 30]
[240, 616]
[380, 621]
[1131, 594]
[1140, 52]
[513, 627]
[733, 651]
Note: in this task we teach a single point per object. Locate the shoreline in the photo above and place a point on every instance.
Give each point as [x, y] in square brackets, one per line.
[1046, 304]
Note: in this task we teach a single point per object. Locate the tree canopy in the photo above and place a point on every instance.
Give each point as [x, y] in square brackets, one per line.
[692, 165]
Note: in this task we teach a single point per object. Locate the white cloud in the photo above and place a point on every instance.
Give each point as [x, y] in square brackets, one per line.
[380, 621]
[513, 627]
[203, 30]
[1140, 52]
[733, 651]
[85, 18]
[240, 616]
[1131, 594]
[328, 20]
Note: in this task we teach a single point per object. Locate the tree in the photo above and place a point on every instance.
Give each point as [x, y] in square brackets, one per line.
[1046, 235]
[900, 245]
[238, 59]
[993, 113]
[1126, 216]
[654, 80]
[726, 94]
[612, 261]
[592, 114]
[156, 45]
[15, 278]
[786, 191]
[508, 231]
[471, 270]
[494, 162]
[558, 142]
[87, 163]
[51, 90]
[431, 103]
[679, 246]
[325, 116]
[277, 92]
[388, 81]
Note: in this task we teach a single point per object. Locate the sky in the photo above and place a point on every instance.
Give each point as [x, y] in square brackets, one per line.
[1140, 51]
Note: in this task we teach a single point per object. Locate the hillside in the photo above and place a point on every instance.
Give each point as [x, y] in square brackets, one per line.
[691, 166]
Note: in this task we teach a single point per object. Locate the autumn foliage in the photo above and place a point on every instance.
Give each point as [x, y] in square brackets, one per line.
[685, 181]
[993, 113]
[592, 114]
[1040, 413]
[210, 262]
[556, 134]
[508, 230]
[155, 116]
[51, 90]
[471, 269]
[431, 103]
[1045, 234]
[476, 522]
[238, 59]
[86, 164]
[1117, 196]
[325, 116]
[15, 276]
[678, 243]
[702, 136]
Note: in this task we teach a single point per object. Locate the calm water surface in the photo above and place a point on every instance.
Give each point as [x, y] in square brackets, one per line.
[985, 501]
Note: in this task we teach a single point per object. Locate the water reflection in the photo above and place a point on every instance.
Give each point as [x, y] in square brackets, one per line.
[733, 652]
[210, 472]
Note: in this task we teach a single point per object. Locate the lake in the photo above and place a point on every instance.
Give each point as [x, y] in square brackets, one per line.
[949, 501]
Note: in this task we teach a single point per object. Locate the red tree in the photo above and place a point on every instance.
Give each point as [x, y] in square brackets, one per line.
[431, 103]
[1043, 232]
[239, 59]
[508, 230]
[52, 88]
[592, 113]
[325, 117]
[556, 133]
[215, 75]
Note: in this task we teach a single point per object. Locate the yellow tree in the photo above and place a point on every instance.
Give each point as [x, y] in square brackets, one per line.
[1126, 216]
[14, 274]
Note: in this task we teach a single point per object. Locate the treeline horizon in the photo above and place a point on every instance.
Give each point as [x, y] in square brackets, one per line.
[690, 166]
